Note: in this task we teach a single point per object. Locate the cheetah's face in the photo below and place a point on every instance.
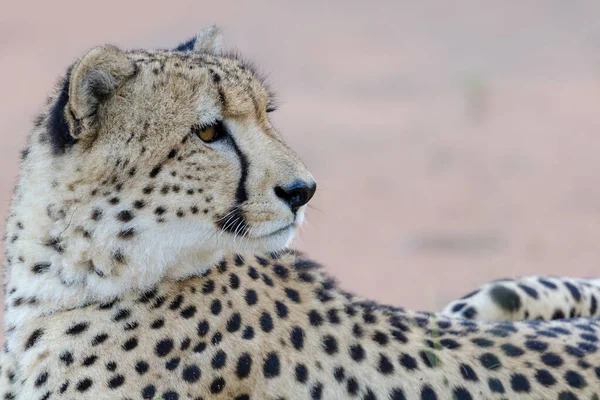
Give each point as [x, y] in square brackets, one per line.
[178, 145]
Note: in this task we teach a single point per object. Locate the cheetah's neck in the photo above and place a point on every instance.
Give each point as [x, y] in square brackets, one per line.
[52, 263]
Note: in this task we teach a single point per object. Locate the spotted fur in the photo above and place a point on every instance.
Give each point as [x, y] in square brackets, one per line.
[143, 263]
[531, 297]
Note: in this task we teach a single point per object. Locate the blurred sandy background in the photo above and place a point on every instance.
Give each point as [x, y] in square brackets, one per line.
[453, 144]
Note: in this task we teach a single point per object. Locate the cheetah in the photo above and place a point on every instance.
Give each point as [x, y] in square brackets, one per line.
[148, 256]
[530, 297]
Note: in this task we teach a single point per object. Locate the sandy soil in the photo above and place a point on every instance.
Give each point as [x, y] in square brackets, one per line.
[452, 144]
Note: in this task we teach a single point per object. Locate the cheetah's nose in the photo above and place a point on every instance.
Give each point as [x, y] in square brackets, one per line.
[296, 194]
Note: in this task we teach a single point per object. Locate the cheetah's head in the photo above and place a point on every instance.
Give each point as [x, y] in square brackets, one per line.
[169, 154]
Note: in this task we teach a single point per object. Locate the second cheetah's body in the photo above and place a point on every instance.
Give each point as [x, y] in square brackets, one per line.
[146, 174]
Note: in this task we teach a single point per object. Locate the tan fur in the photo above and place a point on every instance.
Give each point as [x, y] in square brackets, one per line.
[143, 262]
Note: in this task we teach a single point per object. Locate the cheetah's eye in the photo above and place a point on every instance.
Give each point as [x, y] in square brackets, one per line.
[207, 134]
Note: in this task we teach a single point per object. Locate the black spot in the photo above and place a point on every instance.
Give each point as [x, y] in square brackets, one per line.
[199, 348]
[216, 307]
[316, 391]
[381, 338]
[545, 378]
[266, 322]
[352, 386]
[41, 379]
[529, 290]
[141, 367]
[552, 360]
[170, 396]
[468, 373]
[333, 317]
[297, 337]
[495, 385]
[470, 313]
[271, 365]
[219, 360]
[505, 298]
[238, 260]
[191, 373]
[357, 352]
[301, 373]
[216, 339]
[281, 309]
[130, 344]
[119, 257]
[490, 361]
[244, 366]
[163, 347]
[253, 273]
[512, 350]
[574, 291]
[427, 393]
[234, 323]
[248, 333]
[558, 314]
[429, 359]
[385, 366]
[293, 295]
[575, 380]
[234, 281]
[281, 271]
[536, 345]
[202, 328]
[84, 385]
[121, 315]
[574, 351]
[63, 388]
[408, 362]
[188, 312]
[571, 396]
[315, 318]
[116, 381]
[547, 283]
[155, 171]
[520, 383]
[450, 344]
[33, 338]
[208, 287]
[148, 392]
[217, 385]
[67, 358]
[77, 328]
[40, 268]
[125, 216]
[251, 297]
[461, 393]
[593, 306]
[330, 345]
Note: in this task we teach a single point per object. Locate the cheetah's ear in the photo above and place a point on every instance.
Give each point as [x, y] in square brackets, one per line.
[208, 40]
[94, 78]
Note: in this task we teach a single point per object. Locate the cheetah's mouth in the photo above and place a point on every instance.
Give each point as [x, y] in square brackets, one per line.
[286, 229]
